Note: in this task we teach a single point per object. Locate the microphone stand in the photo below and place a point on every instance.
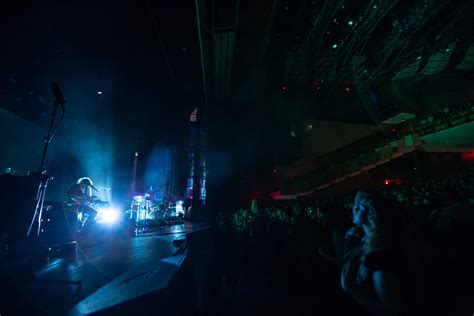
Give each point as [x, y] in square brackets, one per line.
[44, 178]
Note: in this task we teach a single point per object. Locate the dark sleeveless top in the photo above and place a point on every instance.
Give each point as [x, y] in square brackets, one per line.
[359, 268]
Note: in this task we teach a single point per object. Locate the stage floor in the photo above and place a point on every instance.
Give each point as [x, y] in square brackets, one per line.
[98, 260]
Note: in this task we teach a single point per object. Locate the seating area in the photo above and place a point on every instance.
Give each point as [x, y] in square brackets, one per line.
[445, 118]
[397, 142]
[335, 173]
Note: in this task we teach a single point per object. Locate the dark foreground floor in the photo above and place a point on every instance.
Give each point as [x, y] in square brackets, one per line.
[35, 286]
[214, 274]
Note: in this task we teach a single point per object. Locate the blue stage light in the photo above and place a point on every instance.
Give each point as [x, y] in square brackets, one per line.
[107, 215]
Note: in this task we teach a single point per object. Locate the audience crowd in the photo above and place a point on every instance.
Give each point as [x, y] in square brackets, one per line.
[399, 250]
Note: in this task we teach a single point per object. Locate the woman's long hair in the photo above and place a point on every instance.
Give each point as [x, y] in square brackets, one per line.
[384, 221]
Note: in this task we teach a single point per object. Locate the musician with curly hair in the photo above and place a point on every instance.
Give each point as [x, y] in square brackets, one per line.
[77, 199]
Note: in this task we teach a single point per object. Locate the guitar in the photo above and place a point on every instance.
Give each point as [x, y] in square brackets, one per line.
[79, 201]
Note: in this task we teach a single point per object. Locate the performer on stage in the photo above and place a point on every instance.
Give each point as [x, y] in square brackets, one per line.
[76, 201]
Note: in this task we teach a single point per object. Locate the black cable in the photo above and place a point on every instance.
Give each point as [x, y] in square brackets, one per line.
[55, 128]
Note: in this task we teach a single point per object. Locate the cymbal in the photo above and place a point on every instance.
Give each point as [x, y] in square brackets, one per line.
[138, 198]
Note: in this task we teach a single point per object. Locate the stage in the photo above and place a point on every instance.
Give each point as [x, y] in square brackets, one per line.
[99, 261]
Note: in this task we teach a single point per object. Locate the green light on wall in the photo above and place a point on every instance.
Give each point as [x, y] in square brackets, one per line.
[334, 46]
[350, 23]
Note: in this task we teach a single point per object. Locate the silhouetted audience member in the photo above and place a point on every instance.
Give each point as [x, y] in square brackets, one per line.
[371, 271]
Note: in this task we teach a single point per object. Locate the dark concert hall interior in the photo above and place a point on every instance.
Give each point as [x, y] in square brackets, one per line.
[237, 157]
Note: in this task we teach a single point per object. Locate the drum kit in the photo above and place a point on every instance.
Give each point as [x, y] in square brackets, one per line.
[146, 210]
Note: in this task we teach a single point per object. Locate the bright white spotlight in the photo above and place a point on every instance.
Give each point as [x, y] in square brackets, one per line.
[108, 215]
[179, 207]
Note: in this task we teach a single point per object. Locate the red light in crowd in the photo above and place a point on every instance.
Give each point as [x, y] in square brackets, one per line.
[255, 195]
[467, 155]
[393, 182]
[274, 171]
[347, 86]
[284, 87]
[317, 86]
[275, 193]
[393, 129]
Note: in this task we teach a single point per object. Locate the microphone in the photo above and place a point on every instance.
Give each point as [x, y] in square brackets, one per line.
[58, 95]
[94, 188]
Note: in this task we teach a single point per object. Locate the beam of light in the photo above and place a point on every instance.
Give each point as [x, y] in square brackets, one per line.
[179, 207]
[108, 215]
[159, 168]
[92, 144]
